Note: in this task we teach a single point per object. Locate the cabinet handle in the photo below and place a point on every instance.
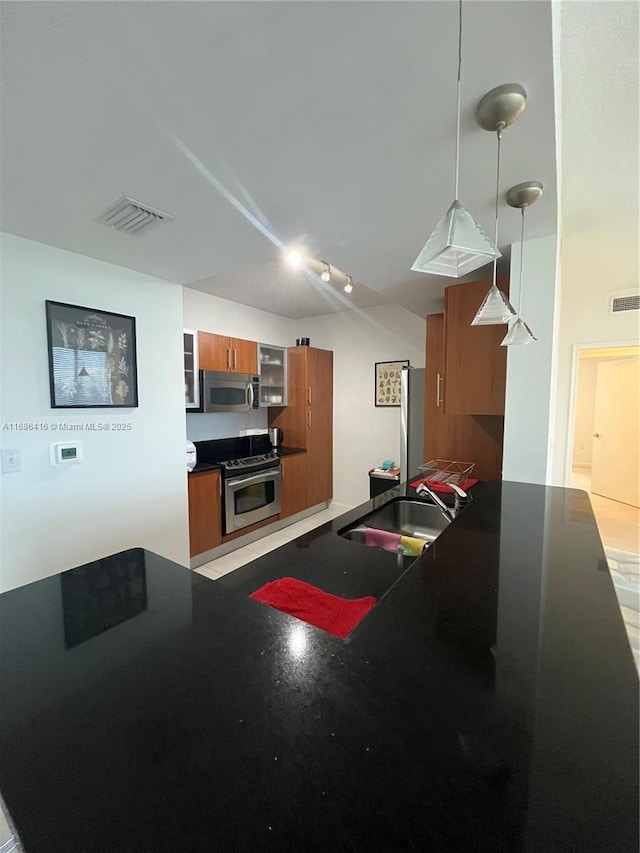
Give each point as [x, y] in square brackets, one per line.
[438, 397]
[235, 358]
[228, 359]
[309, 394]
[309, 418]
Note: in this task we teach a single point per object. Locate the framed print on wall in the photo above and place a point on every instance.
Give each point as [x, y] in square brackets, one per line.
[387, 376]
[92, 358]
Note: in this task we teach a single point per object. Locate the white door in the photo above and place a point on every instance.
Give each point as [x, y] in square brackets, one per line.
[614, 472]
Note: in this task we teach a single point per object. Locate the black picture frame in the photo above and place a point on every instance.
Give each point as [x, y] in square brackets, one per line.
[387, 383]
[92, 358]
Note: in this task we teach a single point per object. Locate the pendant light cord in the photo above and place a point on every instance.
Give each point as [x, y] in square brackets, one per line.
[522, 209]
[459, 100]
[495, 242]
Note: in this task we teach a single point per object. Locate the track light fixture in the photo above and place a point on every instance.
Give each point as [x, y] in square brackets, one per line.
[349, 285]
[326, 272]
[294, 258]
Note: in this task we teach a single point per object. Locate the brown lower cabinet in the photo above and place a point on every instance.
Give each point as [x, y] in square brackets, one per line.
[464, 438]
[205, 511]
[293, 484]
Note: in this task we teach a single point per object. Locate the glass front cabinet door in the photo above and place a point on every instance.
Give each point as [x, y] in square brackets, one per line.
[272, 363]
[191, 379]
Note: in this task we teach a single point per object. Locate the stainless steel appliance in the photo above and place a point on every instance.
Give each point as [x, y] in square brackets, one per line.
[229, 392]
[275, 437]
[411, 421]
[251, 490]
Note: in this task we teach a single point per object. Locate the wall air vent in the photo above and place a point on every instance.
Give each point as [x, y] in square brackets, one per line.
[132, 216]
[625, 303]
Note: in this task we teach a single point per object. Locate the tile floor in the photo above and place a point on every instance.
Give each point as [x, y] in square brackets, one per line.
[619, 524]
[230, 562]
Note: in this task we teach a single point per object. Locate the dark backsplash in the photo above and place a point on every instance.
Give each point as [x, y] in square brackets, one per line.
[239, 447]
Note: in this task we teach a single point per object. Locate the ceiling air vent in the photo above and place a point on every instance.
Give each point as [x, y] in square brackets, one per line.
[625, 303]
[132, 216]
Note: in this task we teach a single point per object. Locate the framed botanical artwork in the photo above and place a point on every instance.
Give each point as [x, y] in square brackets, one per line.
[92, 358]
[387, 377]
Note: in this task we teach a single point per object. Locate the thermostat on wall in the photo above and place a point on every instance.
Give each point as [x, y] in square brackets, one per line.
[65, 452]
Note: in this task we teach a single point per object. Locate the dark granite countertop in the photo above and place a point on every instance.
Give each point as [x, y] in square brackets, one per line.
[205, 466]
[215, 466]
[290, 451]
[489, 702]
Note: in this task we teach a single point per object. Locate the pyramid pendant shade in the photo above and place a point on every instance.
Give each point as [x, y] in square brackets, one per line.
[495, 309]
[518, 335]
[457, 246]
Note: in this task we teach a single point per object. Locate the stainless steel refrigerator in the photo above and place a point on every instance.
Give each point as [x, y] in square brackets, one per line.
[411, 421]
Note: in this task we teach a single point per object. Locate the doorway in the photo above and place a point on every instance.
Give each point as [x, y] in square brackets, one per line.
[605, 440]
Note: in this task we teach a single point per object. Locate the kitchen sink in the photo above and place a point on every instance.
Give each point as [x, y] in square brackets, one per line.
[406, 516]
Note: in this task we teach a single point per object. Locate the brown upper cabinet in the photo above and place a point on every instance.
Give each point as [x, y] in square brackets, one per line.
[234, 355]
[475, 365]
[307, 421]
[465, 438]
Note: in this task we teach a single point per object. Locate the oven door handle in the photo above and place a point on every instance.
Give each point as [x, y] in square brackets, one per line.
[261, 477]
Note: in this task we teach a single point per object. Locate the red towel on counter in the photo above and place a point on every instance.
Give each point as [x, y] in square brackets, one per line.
[335, 615]
[382, 539]
[444, 488]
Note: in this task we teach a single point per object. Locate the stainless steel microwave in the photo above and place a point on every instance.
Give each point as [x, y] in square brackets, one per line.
[229, 392]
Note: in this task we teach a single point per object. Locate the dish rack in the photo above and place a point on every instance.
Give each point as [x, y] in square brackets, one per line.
[446, 471]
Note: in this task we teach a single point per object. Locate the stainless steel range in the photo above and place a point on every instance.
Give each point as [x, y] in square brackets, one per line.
[251, 490]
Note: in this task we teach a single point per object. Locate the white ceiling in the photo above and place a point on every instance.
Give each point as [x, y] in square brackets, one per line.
[260, 124]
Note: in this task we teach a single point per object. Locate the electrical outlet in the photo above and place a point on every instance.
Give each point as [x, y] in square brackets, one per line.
[11, 462]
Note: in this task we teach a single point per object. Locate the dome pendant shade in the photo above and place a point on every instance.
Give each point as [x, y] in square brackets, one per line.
[518, 334]
[495, 309]
[457, 246]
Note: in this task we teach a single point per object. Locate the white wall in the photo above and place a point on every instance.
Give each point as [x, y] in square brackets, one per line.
[528, 424]
[596, 62]
[364, 435]
[130, 490]
[221, 316]
[585, 406]
[584, 320]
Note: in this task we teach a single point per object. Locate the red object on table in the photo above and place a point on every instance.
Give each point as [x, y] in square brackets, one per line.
[335, 615]
[444, 488]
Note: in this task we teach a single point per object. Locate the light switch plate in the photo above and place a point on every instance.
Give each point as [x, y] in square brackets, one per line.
[11, 462]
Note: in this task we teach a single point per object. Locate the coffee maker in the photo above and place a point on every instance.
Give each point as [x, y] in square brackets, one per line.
[275, 437]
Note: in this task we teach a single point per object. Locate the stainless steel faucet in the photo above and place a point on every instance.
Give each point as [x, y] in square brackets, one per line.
[460, 499]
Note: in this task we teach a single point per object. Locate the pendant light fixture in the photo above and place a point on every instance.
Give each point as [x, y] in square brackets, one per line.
[498, 109]
[521, 196]
[458, 245]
